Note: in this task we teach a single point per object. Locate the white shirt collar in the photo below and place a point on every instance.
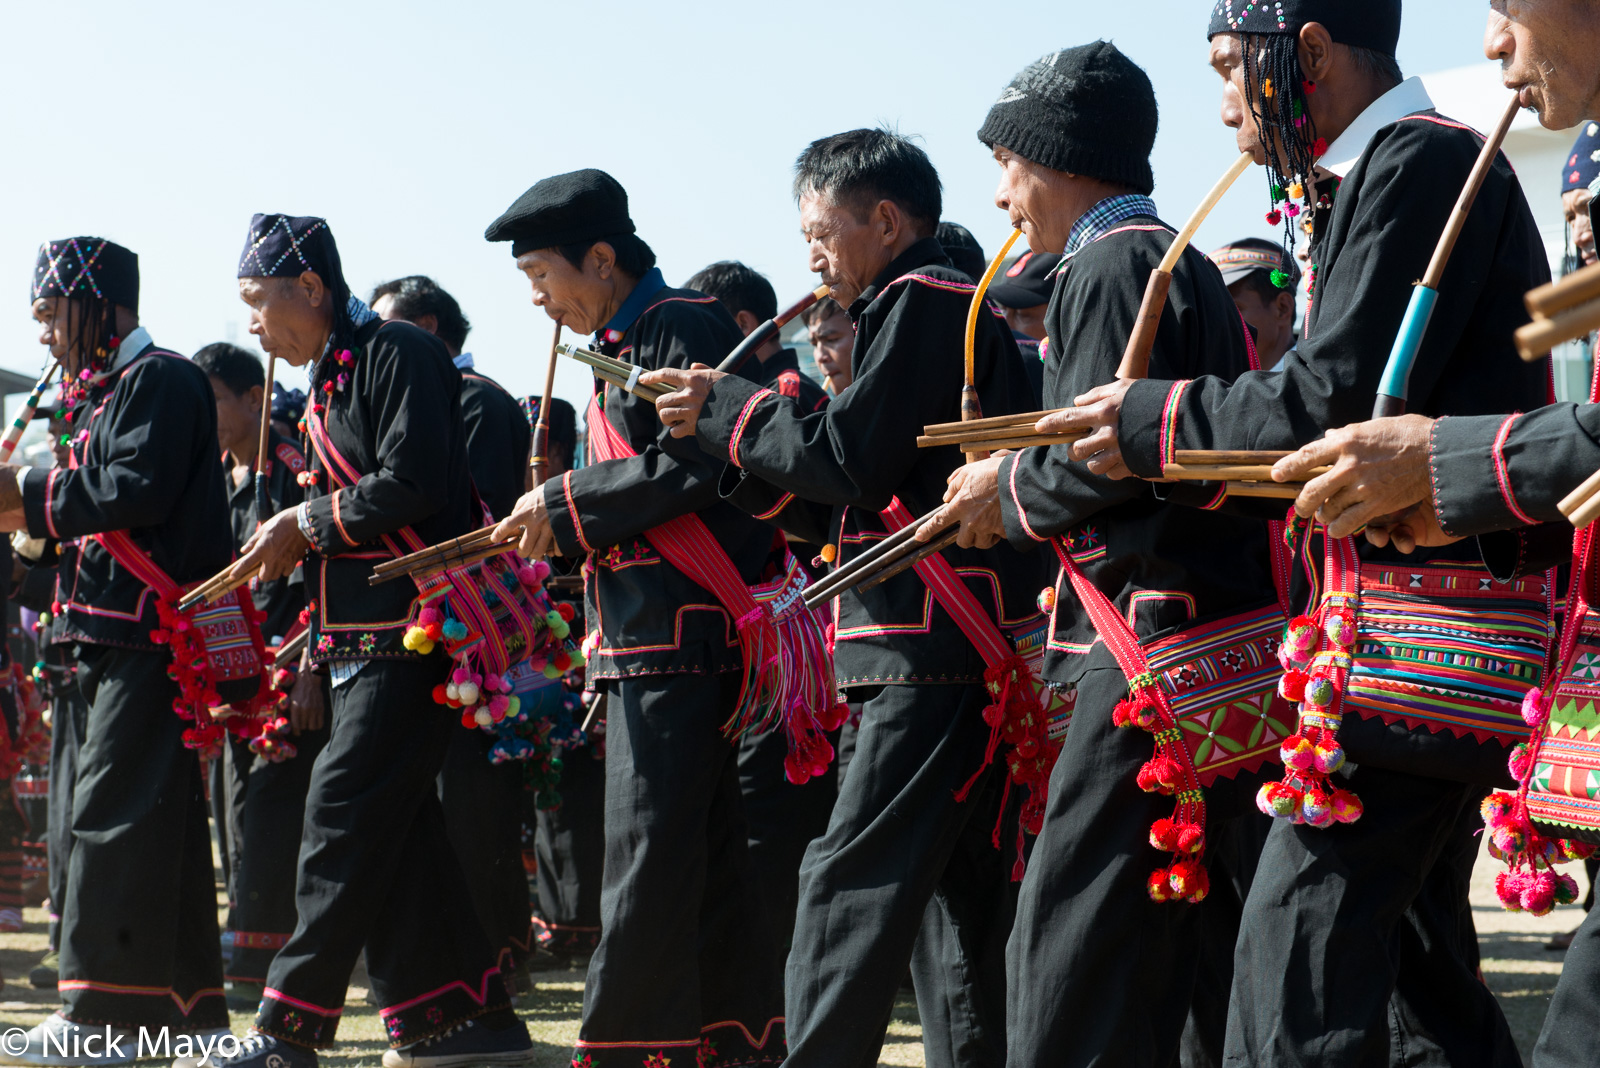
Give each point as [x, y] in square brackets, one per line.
[131, 346]
[1407, 98]
[464, 361]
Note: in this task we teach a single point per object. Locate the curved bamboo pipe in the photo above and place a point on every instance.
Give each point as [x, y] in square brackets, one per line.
[970, 408]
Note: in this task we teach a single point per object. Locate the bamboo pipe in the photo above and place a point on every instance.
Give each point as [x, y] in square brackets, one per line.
[1136, 357]
[540, 460]
[971, 409]
[1228, 473]
[1579, 287]
[26, 412]
[768, 330]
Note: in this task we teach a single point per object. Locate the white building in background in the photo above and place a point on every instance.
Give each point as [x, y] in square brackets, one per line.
[1475, 96]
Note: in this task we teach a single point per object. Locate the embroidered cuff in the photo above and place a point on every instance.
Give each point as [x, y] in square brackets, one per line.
[565, 523]
[302, 519]
[1013, 513]
[725, 415]
[1466, 467]
[38, 487]
[1145, 428]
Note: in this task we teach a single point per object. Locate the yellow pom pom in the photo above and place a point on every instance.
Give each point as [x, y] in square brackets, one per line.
[1266, 88]
[425, 646]
[1297, 190]
[829, 553]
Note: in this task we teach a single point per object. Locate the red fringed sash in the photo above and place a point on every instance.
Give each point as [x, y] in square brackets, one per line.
[788, 672]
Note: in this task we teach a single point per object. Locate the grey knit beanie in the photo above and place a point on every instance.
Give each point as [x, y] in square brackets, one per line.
[1087, 110]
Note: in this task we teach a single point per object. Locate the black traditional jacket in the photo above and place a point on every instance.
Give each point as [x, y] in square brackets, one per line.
[1164, 567]
[498, 442]
[150, 465]
[1367, 252]
[861, 451]
[652, 618]
[781, 373]
[398, 424]
[281, 599]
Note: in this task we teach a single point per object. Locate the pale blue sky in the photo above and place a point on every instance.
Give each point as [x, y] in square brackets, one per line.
[410, 126]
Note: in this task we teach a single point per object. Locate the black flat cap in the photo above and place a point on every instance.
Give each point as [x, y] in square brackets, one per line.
[584, 205]
[1026, 283]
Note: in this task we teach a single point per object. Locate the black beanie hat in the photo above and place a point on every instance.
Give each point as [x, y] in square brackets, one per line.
[1087, 110]
[1373, 24]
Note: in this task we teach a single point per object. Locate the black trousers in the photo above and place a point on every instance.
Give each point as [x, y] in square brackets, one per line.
[570, 844]
[483, 818]
[266, 805]
[686, 960]
[960, 955]
[376, 870]
[1567, 1039]
[69, 713]
[783, 818]
[865, 885]
[139, 945]
[1098, 973]
[1340, 920]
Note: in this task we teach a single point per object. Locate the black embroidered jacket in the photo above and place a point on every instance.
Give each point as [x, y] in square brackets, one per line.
[150, 466]
[397, 424]
[860, 452]
[1163, 566]
[653, 619]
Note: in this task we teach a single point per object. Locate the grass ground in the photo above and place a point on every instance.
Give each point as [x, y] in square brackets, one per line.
[1517, 967]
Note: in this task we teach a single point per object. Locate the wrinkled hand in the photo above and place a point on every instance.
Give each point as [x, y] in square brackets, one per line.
[273, 550]
[306, 707]
[679, 411]
[1379, 468]
[973, 499]
[10, 492]
[1096, 412]
[529, 519]
[1416, 527]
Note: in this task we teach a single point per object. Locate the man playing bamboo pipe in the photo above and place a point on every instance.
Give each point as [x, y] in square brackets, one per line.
[482, 810]
[1359, 159]
[869, 202]
[134, 952]
[686, 968]
[388, 469]
[1078, 988]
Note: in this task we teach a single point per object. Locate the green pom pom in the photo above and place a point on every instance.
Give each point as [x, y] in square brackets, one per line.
[1278, 193]
[1279, 279]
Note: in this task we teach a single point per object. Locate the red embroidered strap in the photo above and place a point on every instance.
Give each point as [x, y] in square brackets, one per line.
[342, 474]
[1110, 625]
[685, 542]
[953, 595]
[138, 563]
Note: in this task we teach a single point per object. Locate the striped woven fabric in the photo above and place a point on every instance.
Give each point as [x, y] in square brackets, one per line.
[1223, 681]
[1058, 701]
[1565, 788]
[229, 644]
[1448, 648]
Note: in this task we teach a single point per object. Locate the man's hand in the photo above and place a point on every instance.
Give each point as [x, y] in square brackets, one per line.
[529, 519]
[973, 499]
[10, 492]
[1096, 412]
[1416, 527]
[1379, 469]
[679, 411]
[13, 520]
[273, 550]
[306, 707]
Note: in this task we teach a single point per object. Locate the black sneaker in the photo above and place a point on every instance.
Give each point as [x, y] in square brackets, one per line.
[470, 1043]
[256, 1050]
[47, 972]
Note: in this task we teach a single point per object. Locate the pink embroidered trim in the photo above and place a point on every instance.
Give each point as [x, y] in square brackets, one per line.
[766, 1032]
[674, 1044]
[783, 503]
[338, 521]
[1502, 477]
[572, 512]
[184, 1006]
[49, 503]
[1022, 513]
[278, 995]
[482, 997]
[740, 423]
[1169, 414]
[1216, 502]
